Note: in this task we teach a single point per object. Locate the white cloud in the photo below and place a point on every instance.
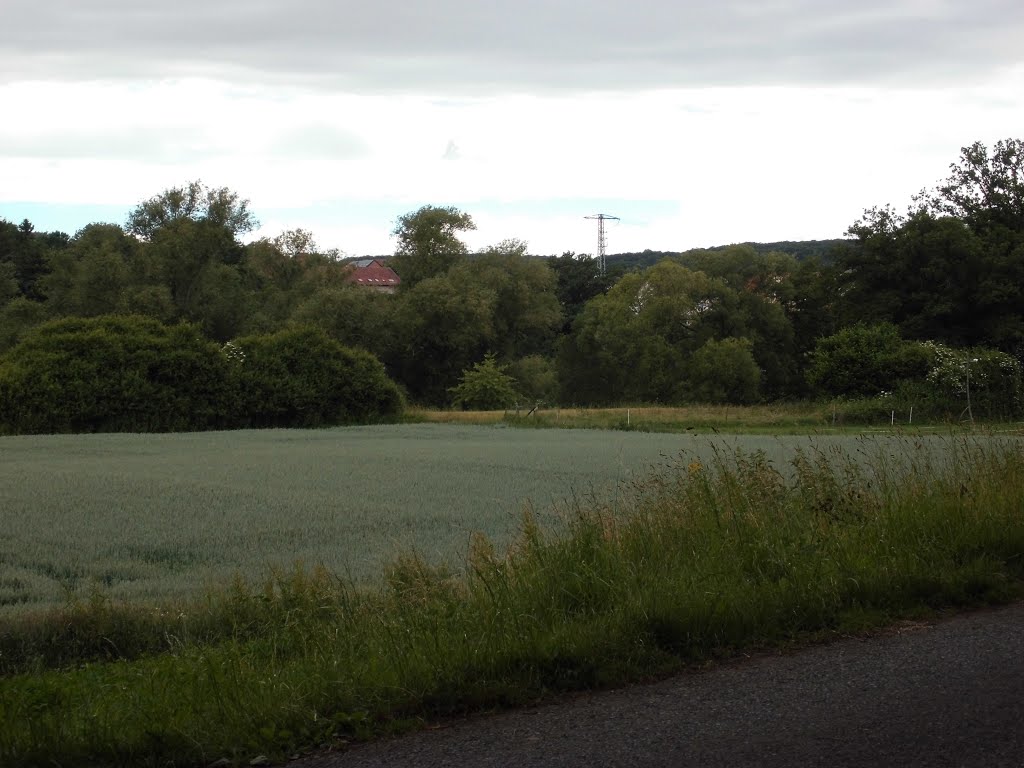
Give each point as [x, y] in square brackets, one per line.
[534, 45]
[525, 119]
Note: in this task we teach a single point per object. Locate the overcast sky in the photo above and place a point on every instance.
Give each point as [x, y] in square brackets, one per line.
[697, 122]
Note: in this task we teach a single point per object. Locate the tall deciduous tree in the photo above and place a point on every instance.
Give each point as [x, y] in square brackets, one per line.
[354, 316]
[578, 281]
[637, 342]
[90, 276]
[952, 269]
[196, 201]
[525, 312]
[428, 242]
[440, 330]
[985, 188]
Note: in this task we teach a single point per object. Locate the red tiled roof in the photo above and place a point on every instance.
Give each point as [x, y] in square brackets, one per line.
[374, 274]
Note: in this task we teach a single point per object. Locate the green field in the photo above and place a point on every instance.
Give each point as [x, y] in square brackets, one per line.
[149, 517]
[730, 544]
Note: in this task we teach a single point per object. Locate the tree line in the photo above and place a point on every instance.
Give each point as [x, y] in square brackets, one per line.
[900, 308]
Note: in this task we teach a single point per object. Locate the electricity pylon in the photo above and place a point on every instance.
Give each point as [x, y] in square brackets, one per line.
[602, 240]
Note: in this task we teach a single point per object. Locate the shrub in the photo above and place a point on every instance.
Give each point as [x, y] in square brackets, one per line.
[300, 377]
[484, 387]
[114, 374]
[994, 379]
[864, 360]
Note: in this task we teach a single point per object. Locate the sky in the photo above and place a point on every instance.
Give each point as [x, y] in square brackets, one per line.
[696, 122]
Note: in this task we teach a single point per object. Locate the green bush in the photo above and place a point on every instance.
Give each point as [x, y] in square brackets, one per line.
[484, 387]
[114, 374]
[865, 360]
[300, 377]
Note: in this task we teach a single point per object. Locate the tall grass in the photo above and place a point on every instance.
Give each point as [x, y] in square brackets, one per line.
[705, 557]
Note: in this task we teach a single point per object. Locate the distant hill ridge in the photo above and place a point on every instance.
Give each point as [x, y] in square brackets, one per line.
[799, 249]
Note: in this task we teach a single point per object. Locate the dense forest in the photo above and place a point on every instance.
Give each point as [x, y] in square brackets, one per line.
[914, 307]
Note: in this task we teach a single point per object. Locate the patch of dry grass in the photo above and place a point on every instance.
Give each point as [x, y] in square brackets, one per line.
[780, 418]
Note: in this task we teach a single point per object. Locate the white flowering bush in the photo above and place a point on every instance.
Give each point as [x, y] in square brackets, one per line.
[233, 353]
[994, 378]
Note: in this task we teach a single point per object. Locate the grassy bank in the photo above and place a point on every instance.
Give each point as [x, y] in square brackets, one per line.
[702, 559]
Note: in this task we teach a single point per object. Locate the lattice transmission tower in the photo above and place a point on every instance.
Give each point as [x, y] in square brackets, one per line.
[602, 239]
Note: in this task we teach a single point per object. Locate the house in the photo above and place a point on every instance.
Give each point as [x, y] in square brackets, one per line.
[370, 273]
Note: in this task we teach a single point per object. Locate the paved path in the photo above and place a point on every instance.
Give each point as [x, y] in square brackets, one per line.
[949, 693]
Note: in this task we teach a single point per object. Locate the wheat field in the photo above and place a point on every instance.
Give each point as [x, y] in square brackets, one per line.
[161, 516]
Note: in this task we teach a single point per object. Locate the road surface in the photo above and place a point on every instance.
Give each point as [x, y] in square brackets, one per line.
[944, 693]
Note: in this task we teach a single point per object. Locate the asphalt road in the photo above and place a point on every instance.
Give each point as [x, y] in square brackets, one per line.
[946, 693]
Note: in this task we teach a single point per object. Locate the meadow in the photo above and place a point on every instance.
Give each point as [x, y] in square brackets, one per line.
[675, 550]
[165, 516]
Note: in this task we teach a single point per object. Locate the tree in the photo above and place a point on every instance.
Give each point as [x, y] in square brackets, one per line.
[811, 307]
[536, 378]
[26, 251]
[191, 241]
[301, 245]
[525, 312]
[221, 305]
[428, 242]
[743, 268]
[633, 343]
[271, 277]
[185, 250]
[484, 387]
[195, 202]
[17, 317]
[153, 301]
[725, 372]
[440, 330]
[636, 342]
[985, 190]
[578, 280]
[89, 277]
[952, 268]
[8, 282]
[352, 316]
